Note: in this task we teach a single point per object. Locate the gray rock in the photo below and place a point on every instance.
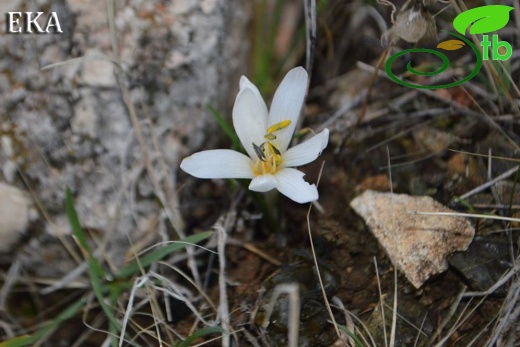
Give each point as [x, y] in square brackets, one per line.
[69, 125]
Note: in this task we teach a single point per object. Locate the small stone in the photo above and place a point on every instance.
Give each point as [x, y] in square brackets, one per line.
[484, 263]
[9, 171]
[417, 244]
[14, 216]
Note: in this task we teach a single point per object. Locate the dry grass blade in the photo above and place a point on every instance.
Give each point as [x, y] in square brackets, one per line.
[381, 300]
[10, 280]
[66, 280]
[190, 280]
[448, 317]
[375, 74]
[138, 283]
[420, 329]
[470, 215]
[325, 299]
[310, 24]
[507, 323]
[223, 307]
[85, 59]
[488, 184]
[350, 318]
[507, 276]
[178, 292]
[394, 314]
[487, 156]
[293, 291]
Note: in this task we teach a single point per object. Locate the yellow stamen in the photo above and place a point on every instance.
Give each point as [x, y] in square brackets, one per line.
[269, 157]
[269, 162]
[270, 137]
[278, 126]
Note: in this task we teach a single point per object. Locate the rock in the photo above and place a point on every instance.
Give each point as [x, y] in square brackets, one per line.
[68, 126]
[417, 244]
[14, 216]
[484, 263]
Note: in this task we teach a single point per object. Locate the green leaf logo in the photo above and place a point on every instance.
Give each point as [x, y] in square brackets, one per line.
[482, 19]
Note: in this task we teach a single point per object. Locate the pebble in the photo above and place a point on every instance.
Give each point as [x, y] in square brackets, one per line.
[14, 216]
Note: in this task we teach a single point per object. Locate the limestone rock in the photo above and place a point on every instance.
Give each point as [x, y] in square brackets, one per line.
[417, 244]
[68, 126]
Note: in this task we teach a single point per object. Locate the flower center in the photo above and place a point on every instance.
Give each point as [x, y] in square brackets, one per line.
[269, 159]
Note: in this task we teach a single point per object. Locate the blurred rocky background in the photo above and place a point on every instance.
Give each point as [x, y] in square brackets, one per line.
[69, 126]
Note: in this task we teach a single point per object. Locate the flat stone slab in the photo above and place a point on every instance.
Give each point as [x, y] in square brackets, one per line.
[416, 244]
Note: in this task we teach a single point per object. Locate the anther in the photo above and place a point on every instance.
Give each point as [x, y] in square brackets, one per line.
[259, 152]
[278, 126]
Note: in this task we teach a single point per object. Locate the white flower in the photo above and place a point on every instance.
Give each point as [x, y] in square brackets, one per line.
[266, 136]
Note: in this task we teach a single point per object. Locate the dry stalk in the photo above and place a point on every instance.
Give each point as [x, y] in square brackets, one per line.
[349, 316]
[293, 291]
[381, 300]
[509, 317]
[223, 306]
[325, 299]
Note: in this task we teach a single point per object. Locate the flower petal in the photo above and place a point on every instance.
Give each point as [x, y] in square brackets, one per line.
[263, 183]
[245, 83]
[249, 119]
[307, 151]
[292, 185]
[218, 163]
[287, 104]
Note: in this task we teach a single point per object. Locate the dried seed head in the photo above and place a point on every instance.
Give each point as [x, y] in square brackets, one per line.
[412, 25]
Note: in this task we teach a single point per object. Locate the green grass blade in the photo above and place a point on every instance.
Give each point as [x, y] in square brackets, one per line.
[351, 335]
[79, 233]
[96, 273]
[226, 128]
[29, 340]
[200, 333]
[160, 253]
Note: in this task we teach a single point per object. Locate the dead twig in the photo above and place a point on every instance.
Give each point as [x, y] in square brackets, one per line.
[488, 184]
